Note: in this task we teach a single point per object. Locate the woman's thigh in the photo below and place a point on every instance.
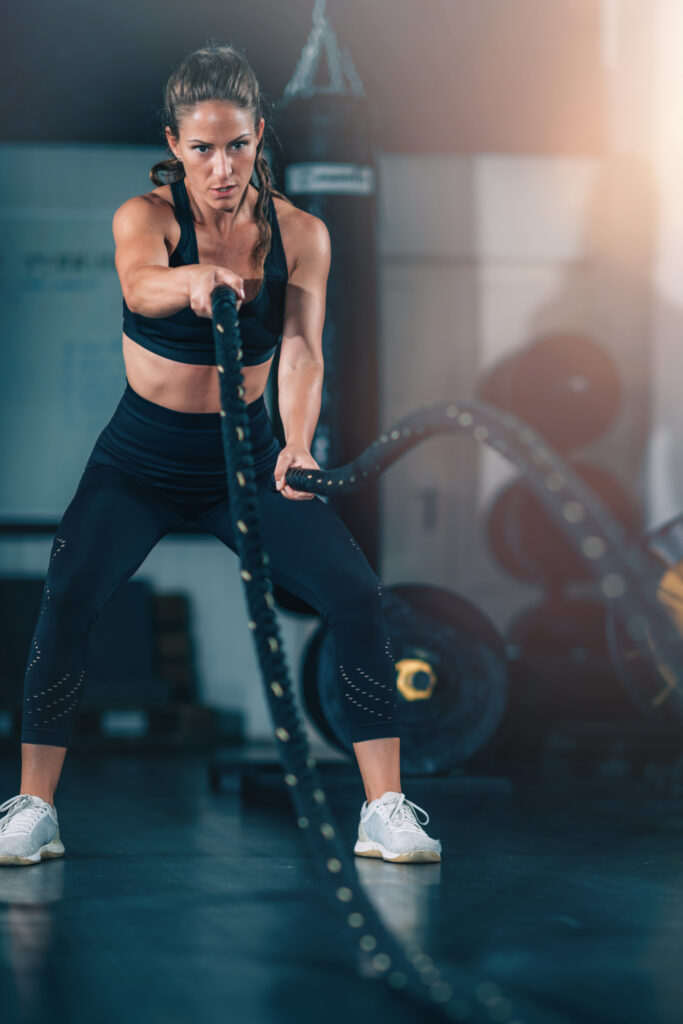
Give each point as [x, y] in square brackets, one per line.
[107, 530]
[311, 551]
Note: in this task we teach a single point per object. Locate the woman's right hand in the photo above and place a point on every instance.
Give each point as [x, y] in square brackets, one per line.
[202, 278]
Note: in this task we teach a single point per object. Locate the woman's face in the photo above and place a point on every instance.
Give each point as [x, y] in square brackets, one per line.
[217, 145]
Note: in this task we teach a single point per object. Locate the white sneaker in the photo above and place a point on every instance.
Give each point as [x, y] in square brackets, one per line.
[29, 831]
[390, 828]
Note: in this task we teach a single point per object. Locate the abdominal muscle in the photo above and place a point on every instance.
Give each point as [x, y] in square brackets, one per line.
[184, 387]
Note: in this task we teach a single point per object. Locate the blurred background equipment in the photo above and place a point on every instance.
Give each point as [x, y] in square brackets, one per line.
[568, 387]
[527, 543]
[565, 386]
[141, 690]
[451, 677]
[649, 679]
[328, 169]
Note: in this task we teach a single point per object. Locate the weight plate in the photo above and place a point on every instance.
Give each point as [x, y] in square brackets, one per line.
[451, 677]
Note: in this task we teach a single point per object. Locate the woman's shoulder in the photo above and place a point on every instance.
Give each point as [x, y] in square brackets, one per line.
[157, 204]
[147, 216]
[302, 233]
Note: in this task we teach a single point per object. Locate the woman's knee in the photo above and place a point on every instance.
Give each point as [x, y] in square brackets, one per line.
[69, 600]
[357, 595]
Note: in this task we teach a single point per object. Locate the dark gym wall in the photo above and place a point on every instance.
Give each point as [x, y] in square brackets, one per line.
[449, 76]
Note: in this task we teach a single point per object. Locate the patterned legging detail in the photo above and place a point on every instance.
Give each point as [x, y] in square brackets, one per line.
[384, 695]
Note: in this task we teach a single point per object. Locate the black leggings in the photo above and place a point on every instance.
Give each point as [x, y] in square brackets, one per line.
[151, 470]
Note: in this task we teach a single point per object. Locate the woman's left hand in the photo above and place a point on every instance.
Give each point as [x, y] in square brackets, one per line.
[298, 456]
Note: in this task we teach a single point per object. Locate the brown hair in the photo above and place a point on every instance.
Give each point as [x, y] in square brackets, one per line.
[216, 72]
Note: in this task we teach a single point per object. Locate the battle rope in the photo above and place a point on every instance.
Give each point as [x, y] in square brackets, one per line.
[626, 575]
[629, 575]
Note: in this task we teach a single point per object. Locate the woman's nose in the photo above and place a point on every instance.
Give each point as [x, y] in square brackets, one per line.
[223, 167]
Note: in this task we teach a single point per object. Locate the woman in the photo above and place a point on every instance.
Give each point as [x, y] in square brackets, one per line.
[159, 462]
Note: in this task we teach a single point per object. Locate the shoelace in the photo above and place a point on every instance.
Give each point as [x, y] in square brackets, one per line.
[10, 824]
[404, 813]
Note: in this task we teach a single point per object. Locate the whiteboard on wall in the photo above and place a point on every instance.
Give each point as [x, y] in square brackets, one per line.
[61, 365]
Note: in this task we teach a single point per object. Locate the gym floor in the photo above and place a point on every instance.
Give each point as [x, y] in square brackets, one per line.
[179, 902]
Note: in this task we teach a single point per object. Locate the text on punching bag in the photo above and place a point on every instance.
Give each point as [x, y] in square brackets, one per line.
[329, 179]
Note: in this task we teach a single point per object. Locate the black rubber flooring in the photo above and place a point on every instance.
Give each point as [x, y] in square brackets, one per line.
[176, 903]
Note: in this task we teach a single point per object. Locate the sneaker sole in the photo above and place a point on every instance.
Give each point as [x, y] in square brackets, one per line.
[373, 849]
[53, 849]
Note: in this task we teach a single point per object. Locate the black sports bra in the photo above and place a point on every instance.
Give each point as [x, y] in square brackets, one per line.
[188, 338]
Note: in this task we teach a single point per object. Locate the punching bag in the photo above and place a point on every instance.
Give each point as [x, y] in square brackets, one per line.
[328, 170]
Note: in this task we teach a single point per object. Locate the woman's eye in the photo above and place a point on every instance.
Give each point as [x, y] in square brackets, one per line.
[237, 145]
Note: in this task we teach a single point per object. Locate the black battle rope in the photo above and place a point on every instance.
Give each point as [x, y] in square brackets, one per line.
[448, 993]
[629, 574]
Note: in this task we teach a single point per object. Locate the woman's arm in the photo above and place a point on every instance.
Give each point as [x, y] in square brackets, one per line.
[150, 287]
[301, 367]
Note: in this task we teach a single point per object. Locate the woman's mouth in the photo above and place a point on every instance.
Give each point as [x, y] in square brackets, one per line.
[223, 191]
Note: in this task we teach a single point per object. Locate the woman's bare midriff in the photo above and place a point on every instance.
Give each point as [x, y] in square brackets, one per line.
[184, 387]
